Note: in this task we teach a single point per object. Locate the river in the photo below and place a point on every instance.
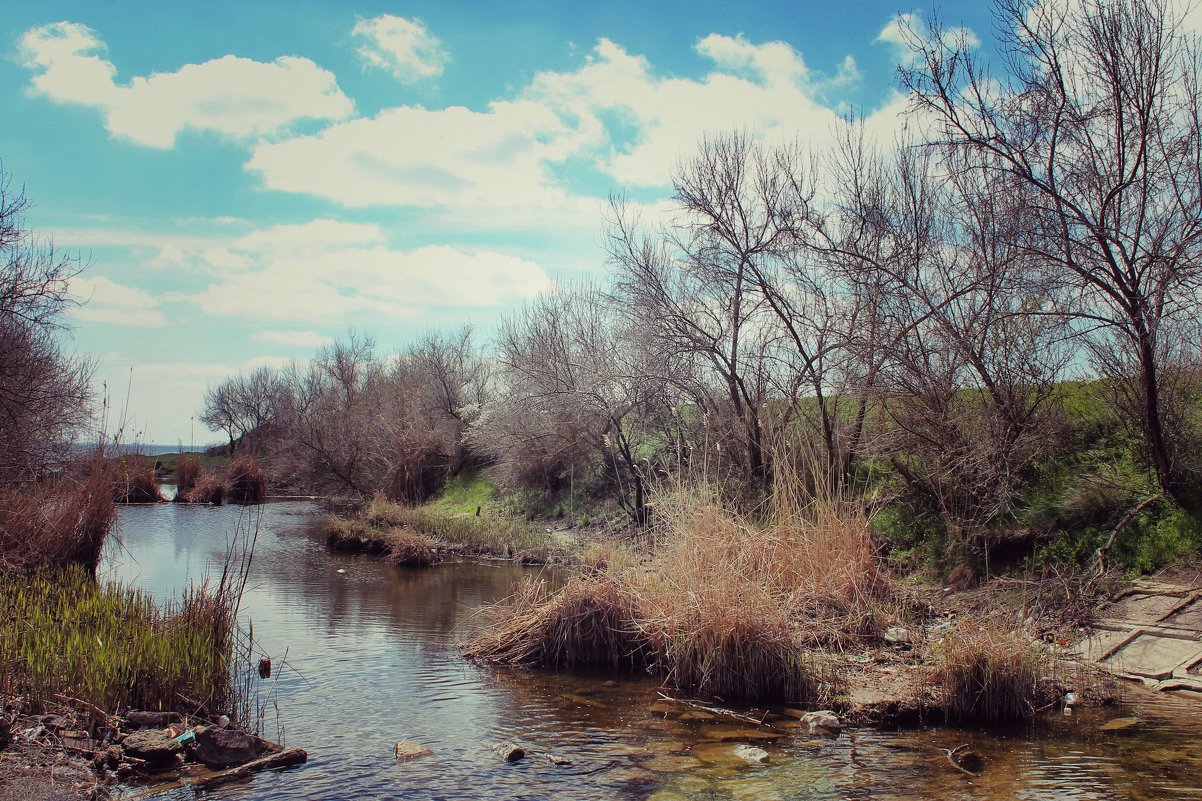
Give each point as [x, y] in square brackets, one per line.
[366, 654]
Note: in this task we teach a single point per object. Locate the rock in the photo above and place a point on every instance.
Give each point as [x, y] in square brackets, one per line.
[156, 720]
[151, 745]
[509, 752]
[225, 748]
[968, 759]
[823, 721]
[557, 759]
[405, 750]
[896, 635]
[750, 753]
[1119, 724]
[740, 733]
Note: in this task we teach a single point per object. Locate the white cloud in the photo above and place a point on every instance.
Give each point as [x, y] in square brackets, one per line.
[511, 163]
[400, 46]
[296, 339]
[335, 272]
[900, 30]
[106, 301]
[232, 96]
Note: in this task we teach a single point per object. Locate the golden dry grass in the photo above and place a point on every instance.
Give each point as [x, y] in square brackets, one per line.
[56, 526]
[985, 671]
[723, 605]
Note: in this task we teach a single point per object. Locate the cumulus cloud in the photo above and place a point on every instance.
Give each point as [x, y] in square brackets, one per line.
[512, 162]
[106, 301]
[235, 97]
[330, 271]
[402, 47]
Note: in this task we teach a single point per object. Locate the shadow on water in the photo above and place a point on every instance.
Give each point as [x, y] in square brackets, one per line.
[372, 657]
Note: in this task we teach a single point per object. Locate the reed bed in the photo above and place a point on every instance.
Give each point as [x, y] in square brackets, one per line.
[985, 672]
[135, 483]
[209, 488]
[60, 525]
[245, 481]
[723, 605]
[187, 471]
[111, 646]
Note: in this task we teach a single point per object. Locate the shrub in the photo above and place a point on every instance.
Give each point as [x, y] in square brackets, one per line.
[209, 488]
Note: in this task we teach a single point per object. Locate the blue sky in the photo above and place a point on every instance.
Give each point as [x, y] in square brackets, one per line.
[249, 181]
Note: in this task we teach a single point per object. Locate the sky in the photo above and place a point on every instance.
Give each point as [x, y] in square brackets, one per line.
[249, 181]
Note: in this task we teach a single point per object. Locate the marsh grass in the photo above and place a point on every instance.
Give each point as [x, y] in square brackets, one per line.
[187, 471]
[463, 532]
[723, 604]
[134, 482]
[112, 646]
[58, 525]
[245, 481]
[986, 672]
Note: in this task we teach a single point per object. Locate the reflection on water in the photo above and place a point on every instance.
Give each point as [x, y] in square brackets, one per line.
[372, 658]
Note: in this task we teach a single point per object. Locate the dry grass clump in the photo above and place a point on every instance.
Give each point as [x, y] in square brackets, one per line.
[55, 526]
[408, 547]
[209, 488]
[593, 619]
[135, 484]
[351, 535]
[384, 513]
[988, 673]
[187, 471]
[723, 605]
[246, 482]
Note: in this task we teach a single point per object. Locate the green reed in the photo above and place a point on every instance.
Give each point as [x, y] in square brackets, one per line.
[62, 633]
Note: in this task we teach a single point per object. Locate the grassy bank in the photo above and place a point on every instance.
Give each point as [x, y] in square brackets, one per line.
[464, 519]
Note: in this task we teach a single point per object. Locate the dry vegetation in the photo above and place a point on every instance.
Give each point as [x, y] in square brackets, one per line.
[722, 605]
[57, 525]
[988, 672]
[243, 481]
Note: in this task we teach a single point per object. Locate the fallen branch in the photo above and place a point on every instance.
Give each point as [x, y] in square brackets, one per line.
[717, 710]
[1100, 568]
[293, 756]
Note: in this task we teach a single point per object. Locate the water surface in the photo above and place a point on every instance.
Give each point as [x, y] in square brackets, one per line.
[371, 656]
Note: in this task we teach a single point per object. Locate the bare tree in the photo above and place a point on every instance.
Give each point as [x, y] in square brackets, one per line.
[968, 360]
[1096, 120]
[44, 393]
[575, 399]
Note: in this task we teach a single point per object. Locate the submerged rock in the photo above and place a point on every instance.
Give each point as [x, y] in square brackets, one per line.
[1119, 724]
[405, 750]
[509, 752]
[750, 753]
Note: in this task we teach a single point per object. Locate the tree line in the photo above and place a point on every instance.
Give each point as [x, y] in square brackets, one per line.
[902, 313]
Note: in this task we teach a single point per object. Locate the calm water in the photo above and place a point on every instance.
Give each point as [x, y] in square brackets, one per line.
[372, 657]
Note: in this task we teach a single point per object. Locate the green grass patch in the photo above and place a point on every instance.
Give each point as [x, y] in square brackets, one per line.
[112, 646]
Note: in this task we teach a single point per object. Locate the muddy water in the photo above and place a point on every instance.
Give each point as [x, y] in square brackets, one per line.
[370, 652]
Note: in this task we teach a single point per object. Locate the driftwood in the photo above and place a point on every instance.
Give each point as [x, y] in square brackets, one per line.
[283, 759]
[1102, 552]
[717, 710]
